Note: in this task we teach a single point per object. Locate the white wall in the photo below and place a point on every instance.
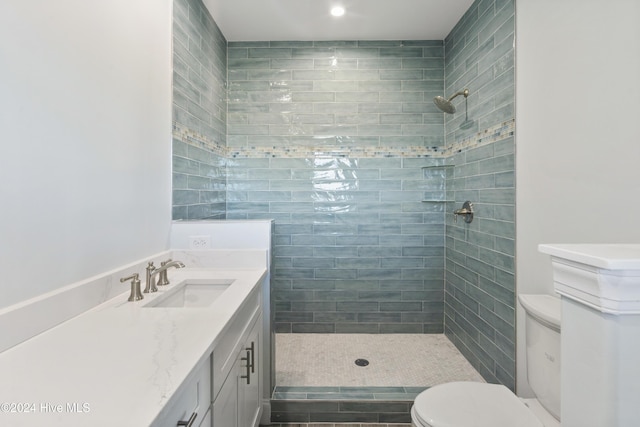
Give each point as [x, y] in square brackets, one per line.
[577, 132]
[85, 113]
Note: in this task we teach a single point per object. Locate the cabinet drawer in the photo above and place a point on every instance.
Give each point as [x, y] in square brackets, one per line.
[230, 344]
[194, 396]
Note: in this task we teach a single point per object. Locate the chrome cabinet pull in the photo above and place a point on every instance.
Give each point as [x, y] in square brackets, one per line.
[190, 422]
[252, 349]
[246, 359]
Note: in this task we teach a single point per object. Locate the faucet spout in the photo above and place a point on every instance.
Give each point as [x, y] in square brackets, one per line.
[168, 264]
[164, 266]
[152, 271]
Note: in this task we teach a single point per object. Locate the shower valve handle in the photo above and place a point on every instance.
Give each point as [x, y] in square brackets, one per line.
[467, 211]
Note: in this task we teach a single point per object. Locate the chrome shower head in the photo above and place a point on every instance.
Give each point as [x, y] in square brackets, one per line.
[445, 105]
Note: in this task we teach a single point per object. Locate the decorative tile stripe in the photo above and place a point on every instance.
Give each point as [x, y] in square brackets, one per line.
[493, 134]
[340, 151]
[191, 137]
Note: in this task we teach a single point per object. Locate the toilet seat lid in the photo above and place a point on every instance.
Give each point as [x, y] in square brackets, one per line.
[472, 404]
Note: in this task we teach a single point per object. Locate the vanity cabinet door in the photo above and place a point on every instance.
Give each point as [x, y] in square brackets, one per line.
[250, 379]
[225, 407]
[239, 404]
[237, 369]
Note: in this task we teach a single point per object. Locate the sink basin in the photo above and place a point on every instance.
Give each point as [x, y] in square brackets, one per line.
[192, 294]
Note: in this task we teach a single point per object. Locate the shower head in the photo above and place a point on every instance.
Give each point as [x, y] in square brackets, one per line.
[445, 105]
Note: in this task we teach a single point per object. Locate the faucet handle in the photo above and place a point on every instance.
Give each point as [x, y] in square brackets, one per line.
[135, 295]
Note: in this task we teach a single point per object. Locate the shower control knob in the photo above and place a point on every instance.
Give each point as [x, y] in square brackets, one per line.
[467, 211]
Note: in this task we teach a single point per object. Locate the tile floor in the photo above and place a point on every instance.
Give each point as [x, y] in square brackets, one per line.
[407, 360]
[319, 384]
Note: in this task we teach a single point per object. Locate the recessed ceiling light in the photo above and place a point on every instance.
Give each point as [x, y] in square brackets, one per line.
[337, 11]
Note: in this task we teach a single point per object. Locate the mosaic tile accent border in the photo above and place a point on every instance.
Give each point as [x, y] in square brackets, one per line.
[339, 151]
[191, 137]
[493, 134]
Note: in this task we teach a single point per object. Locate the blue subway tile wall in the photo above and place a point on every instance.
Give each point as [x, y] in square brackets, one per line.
[199, 113]
[330, 139]
[480, 281]
[354, 252]
[334, 95]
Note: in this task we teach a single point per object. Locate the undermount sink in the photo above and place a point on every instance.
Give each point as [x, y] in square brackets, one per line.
[192, 294]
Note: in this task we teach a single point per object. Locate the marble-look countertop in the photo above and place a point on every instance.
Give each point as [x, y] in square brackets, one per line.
[119, 363]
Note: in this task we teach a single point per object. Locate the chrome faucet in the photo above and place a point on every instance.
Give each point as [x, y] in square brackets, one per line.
[152, 271]
[164, 265]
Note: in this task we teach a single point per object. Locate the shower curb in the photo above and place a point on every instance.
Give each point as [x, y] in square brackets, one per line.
[343, 404]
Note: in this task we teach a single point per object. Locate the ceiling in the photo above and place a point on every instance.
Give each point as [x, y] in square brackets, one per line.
[304, 20]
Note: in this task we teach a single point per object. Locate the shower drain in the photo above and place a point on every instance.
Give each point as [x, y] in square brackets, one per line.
[362, 362]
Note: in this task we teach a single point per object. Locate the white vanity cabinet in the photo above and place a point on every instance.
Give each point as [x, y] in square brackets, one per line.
[225, 389]
[237, 368]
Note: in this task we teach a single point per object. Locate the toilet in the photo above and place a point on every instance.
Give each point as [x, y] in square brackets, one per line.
[466, 404]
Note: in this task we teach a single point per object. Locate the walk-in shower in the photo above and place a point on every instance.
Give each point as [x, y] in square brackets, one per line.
[339, 144]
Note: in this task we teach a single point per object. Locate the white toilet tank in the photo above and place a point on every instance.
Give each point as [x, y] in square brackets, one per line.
[542, 327]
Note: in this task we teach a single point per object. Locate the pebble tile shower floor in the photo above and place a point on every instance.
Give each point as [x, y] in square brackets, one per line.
[318, 381]
[409, 360]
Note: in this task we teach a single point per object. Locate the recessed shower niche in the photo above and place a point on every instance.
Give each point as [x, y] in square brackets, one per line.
[436, 178]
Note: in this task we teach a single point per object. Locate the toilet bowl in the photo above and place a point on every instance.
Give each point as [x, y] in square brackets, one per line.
[463, 404]
[473, 404]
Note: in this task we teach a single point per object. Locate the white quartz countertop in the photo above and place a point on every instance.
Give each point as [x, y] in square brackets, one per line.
[119, 363]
